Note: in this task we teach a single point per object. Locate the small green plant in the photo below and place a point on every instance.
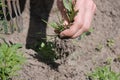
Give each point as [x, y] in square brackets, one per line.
[70, 11]
[58, 26]
[109, 61]
[47, 52]
[10, 60]
[104, 73]
[99, 47]
[117, 59]
[110, 42]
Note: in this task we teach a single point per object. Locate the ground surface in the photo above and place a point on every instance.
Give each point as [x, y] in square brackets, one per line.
[106, 24]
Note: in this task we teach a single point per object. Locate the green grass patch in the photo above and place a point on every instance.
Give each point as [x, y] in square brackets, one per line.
[11, 60]
[104, 73]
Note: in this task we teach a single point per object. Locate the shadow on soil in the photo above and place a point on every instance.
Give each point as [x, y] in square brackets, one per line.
[40, 9]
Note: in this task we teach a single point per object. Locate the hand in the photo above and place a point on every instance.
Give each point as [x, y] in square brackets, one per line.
[82, 21]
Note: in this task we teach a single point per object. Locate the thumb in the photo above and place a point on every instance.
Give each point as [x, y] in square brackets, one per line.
[71, 31]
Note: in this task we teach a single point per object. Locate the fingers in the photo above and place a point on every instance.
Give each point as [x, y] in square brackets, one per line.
[71, 31]
[86, 25]
[83, 19]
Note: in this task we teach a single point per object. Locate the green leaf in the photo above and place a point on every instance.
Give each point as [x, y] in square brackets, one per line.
[104, 73]
[67, 4]
[54, 25]
[42, 44]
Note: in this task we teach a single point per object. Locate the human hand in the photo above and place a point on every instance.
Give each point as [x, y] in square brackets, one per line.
[82, 21]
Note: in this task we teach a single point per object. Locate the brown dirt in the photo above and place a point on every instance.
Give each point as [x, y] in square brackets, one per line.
[85, 58]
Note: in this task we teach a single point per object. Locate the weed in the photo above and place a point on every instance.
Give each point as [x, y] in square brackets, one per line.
[117, 59]
[110, 42]
[104, 73]
[47, 52]
[99, 47]
[10, 60]
[69, 6]
[109, 61]
[58, 26]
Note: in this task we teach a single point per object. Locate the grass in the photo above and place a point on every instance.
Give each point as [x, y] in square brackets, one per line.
[99, 47]
[70, 12]
[104, 73]
[58, 26]
[11, 60]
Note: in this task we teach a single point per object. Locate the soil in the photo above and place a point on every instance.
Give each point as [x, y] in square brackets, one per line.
[78, 63]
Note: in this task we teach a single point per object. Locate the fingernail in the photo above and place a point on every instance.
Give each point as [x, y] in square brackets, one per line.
[62, 36]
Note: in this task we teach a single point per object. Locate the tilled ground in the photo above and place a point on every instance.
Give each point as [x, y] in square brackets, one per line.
[85, 58]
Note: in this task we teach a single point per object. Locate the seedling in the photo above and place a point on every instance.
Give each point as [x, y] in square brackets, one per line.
[10, 60]
[46, 52]
[99, 47]
[104, 73]
[58, 26]
[117, 59]
[110, 42]
[69, 6]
